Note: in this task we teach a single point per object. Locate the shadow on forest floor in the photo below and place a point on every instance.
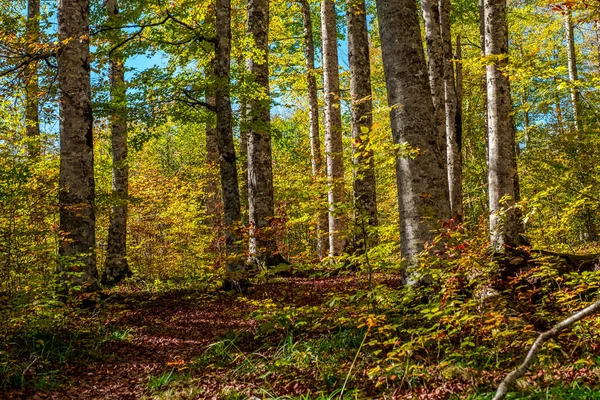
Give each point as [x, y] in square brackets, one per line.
[187, 344]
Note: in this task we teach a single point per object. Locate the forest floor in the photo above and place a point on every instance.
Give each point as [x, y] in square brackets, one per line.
[192, 344]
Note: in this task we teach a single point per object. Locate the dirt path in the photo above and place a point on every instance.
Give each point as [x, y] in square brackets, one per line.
[169, 331]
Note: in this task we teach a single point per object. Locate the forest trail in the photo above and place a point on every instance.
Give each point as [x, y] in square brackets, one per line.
[169, 331]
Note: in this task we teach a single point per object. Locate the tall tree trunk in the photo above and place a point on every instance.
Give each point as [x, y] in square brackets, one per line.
[484, 81]
[422, 182]
[504, 225]
[213, 194]
[453, 140]
[243, 126]
[261, 208]
[229, 178]
[116, 267]
[458, 167]
[572, 60]
[365, 197]
[333, 128]
[76, 176]
[32, 120]
[435, 55]
[313, 109]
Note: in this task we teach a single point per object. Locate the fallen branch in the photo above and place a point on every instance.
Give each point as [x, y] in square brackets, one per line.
[537, 346]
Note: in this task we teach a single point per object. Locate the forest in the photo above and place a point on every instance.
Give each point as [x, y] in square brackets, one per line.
[299, 199]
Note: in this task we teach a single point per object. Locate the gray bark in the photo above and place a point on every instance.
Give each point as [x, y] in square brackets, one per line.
[435, 56]
[501, 172]
[453, 138]
[365, 197]
[211, 189]
[227, 159]
[261, 208]
[422, 182]
[313, 110]
[572, 61]
[458, 167]
[76, 176]
[243, 126]
[116, 267]
[333, 128]
[32, 119]
[484, 80]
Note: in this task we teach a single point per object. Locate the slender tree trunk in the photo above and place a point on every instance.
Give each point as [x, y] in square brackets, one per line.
[572, 60]
[244, 160]
[453, 140]
[333, 128]
[435, 55]
[504, 225]
[365, 197]
[261, 208]
[32, 120]
[313, 109]
[116, 267]
[484, 82]
[227, 159]
[458, 155]
[213, 194]
[76, 176]
[422, 182]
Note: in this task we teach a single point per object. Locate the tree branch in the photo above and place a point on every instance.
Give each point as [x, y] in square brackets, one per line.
[537, 346]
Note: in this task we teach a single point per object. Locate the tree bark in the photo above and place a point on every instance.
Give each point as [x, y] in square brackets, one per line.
[453, 137]
[76, 176]
[484, 82]
[572, 61]
[116, 267]
[421, 179]
[435, 55]
[211, 189]
[227, 159]
[365, 196]
[313, 109]
[333, 128]
[32, 119]
[459, 124]
[504, 225]
[261, 208]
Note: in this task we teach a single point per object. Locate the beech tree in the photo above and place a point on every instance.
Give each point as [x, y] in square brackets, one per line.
[32, 119]
[572, 64]
[261, 207]
[76, 180]
[229, 179]
[117, 267]
[333, 128]
[420, 174]
[504, 225]
[435, 58]
[453, 138]
[316, 157]
[365, 199]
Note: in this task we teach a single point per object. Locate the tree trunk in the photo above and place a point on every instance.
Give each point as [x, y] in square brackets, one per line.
[313, 109]
[76, 177]
[32, 119]
[365, 198]
[116, 267]
[244, 160]
[435, 55]
[211, 189]
[333, 128]
[459, 93]
[421, 179]
[261, 208]
[504, 226]
[453, 138]
[229, 178]
[572, 60]
[484, 82]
